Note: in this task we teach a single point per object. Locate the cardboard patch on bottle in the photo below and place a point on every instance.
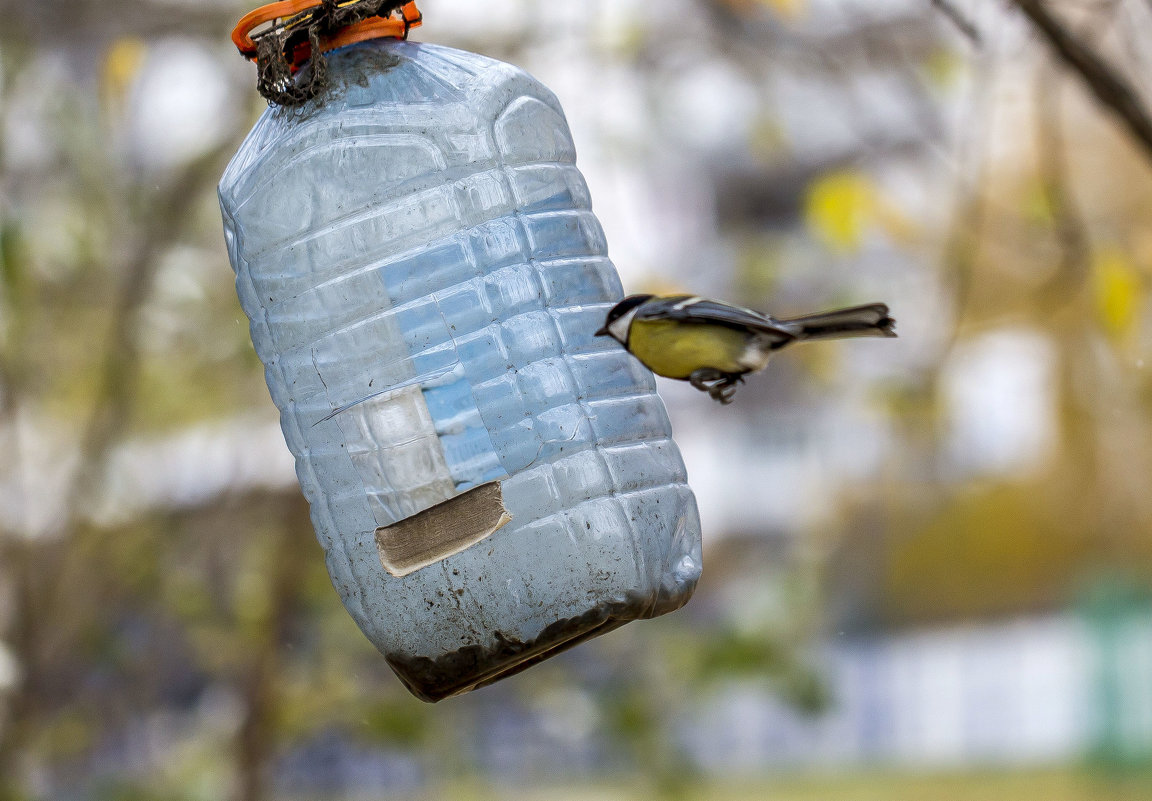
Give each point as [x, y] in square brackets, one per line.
[442, 530]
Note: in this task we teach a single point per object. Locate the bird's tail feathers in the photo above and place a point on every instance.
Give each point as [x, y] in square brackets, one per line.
[871, 320]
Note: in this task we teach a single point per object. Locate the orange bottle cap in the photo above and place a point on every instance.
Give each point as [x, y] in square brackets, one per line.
[288, 14]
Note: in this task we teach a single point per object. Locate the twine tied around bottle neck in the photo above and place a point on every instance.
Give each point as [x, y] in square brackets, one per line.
[300, 32]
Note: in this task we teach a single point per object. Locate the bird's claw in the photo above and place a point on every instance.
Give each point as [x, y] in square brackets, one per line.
[721, 387]
[704, 378]
[723, 392]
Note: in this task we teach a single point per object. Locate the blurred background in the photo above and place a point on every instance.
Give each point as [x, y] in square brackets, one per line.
[928, 561]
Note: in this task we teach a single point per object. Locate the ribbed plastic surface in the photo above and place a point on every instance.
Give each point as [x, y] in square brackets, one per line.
[423, 273]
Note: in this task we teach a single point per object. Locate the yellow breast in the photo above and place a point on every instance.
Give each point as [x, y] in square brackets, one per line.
[676, 350]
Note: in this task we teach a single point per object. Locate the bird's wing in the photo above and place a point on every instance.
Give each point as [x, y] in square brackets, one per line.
[689, 309]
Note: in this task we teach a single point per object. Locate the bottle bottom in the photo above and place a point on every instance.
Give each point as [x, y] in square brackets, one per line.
[475, 666]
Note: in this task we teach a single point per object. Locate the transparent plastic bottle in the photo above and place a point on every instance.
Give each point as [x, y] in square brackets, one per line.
[423, 273]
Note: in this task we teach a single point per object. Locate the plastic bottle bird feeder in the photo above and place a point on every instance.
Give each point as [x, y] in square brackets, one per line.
[416, 252]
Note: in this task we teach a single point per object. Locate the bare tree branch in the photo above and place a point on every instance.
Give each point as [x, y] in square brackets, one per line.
[1053, 170]
[957, 18]
[1109, 86]
[42, 579]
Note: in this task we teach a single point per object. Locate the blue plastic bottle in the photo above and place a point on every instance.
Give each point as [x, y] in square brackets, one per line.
[417, 254]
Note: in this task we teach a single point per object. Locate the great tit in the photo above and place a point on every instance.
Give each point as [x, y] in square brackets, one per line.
[713, 345]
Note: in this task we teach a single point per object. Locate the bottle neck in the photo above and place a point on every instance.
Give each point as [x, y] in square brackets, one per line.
[285, 15]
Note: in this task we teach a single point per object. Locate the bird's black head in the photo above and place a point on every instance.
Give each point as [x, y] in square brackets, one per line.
[620, 309]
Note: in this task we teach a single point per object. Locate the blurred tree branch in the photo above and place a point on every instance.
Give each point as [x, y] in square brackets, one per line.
[959, 20]
[170, 214]
[45, 577]
[1071, 231]
[1105, 82]
[260, 685]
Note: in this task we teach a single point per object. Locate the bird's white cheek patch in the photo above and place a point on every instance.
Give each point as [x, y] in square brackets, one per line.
[619, 327]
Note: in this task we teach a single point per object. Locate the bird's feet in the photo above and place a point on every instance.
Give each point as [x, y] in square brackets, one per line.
[703, 378]
[725, 391]
[720, 386]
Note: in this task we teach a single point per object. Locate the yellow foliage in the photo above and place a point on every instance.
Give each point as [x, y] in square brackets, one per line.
[1118, 290]
[839, 206]
[842, 205]
[943, 67]
[989, 550]
[121, 65]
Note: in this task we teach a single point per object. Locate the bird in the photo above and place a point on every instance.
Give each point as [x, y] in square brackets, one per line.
[713, 345]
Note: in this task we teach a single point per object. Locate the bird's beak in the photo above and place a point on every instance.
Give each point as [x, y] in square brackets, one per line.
[603, 332]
